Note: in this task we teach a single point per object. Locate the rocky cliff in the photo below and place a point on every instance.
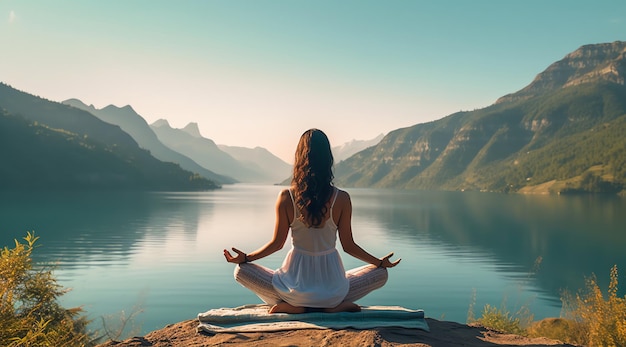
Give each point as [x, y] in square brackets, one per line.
[566, 127]
[589, 63]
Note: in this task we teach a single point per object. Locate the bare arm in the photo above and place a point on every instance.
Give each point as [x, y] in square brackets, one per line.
[281, 230]
[347, 240]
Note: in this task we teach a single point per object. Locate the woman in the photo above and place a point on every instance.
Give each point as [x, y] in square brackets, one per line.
[312, 276]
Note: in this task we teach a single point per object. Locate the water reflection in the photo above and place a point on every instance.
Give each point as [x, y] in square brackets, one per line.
[573, 236]
[78, 228]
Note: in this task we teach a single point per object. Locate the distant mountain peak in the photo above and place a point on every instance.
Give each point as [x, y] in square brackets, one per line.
[126, 109]
[589, 63]
[347, 149]
[79, 104]
[192, 129]
[161, 122]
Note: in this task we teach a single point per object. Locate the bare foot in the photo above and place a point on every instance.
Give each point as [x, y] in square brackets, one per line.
[345, 306]
[284, 307]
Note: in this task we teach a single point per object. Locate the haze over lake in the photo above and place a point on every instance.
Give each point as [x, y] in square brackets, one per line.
[162, 252]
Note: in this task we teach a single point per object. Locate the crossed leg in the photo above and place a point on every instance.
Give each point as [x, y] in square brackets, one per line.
[258, 279]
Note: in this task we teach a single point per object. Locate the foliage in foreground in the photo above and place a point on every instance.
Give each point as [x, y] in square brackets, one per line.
[601, 319]
[590, 318]
[501, 319]
[30, 314]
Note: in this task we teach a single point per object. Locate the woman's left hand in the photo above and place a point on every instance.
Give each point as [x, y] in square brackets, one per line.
[388, 263]
[240, 258]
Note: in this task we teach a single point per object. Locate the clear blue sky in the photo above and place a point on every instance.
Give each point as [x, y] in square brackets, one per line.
[259, 73]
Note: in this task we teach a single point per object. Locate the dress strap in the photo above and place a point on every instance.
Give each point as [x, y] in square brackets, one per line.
[333, 203]
[334, 199]
[293, 202]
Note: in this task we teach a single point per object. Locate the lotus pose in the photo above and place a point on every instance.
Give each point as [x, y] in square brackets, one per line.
[312, 276]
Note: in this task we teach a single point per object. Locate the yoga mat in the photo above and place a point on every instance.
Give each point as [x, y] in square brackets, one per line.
[254, 318]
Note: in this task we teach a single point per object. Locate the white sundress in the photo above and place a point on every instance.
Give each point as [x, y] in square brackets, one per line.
[312, 274]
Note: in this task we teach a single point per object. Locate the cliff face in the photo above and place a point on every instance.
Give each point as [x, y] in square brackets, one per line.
[590, 63]
[567, 125]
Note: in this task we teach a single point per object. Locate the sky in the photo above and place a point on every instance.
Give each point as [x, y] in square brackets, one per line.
[259, 73]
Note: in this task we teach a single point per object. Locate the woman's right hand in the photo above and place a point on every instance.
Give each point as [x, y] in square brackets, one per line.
[240, 258]
[388, 263]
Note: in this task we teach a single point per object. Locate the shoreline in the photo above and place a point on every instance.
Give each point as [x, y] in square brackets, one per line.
[442, 334]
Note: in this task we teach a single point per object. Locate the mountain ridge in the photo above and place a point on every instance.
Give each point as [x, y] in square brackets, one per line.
[249, 165]
[261, 160]
[589, 63]
[527, 138]
[347, 149]
[135, 125]
[52, 146]
[192, 129]
[208, 154]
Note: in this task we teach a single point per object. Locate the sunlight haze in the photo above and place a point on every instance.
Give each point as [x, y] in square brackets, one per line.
[259, 73]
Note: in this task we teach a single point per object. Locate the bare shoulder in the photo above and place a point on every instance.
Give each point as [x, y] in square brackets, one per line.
[284, 204]
[284, 196]
[343, 197]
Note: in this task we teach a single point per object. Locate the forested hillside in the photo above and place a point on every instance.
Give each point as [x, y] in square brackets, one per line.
[564, 133]
[47, 145]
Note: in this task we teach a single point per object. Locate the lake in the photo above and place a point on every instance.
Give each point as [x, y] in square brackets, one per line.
[161, 253]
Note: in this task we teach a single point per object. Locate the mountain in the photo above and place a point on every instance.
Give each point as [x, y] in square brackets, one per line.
[260, 160]
[136, 126]
[193, 130]
[562, 133]
[206, 153]
[350, 148]
[48, 145]
[588, 64]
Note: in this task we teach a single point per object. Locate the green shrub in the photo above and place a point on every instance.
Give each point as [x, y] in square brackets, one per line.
[500, 319]
[30, 314]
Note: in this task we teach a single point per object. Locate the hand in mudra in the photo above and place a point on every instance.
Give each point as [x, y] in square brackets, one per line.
[240, 258]
[385, 262]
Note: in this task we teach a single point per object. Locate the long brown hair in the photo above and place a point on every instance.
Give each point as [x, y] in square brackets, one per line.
[313, 176]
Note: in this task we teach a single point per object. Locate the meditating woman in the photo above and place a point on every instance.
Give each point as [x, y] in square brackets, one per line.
[312, 276]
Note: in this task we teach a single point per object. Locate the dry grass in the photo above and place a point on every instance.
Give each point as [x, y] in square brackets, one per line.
[590, 318]
[599, 319]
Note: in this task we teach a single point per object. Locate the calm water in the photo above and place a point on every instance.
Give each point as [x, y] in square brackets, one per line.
[162, 252]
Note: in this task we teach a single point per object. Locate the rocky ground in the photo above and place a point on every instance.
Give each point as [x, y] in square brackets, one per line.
[442, 334]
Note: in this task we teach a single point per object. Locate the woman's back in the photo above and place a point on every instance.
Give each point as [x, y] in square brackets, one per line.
[312, 274]
[314, 239]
